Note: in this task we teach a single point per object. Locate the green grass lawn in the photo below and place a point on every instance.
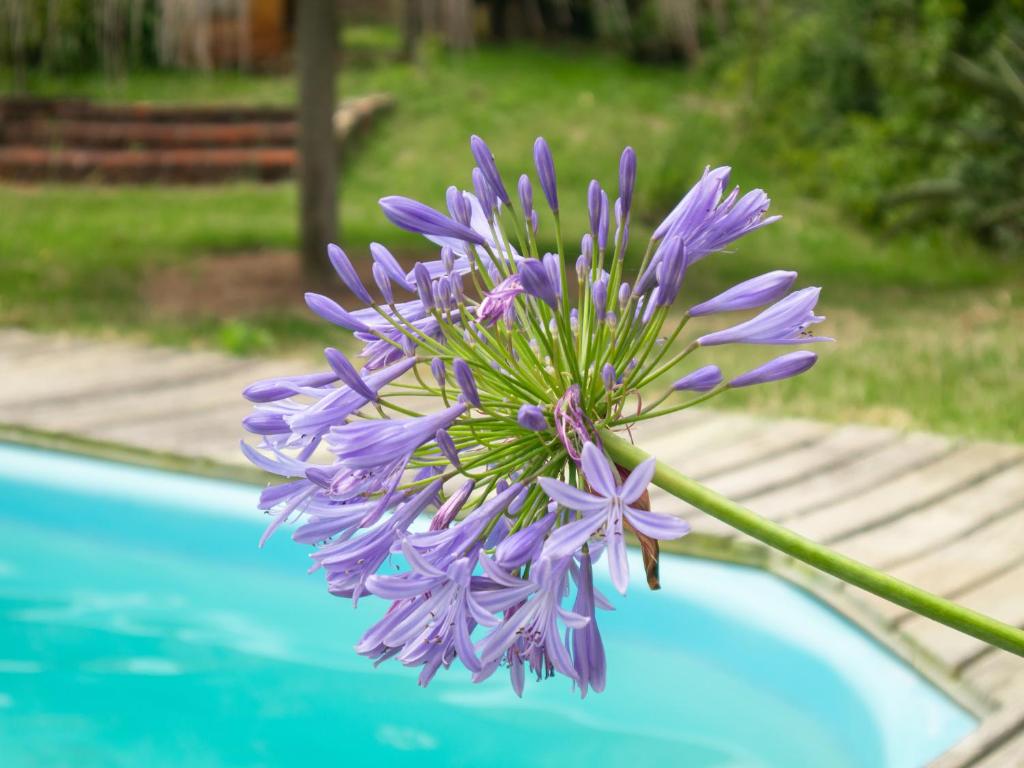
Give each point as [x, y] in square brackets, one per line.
[928, 325]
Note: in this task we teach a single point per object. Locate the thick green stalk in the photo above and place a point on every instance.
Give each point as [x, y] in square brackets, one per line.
[919, 601]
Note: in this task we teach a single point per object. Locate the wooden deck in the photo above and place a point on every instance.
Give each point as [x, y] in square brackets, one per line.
[942, 513]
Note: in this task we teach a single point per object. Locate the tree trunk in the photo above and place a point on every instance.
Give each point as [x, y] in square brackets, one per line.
[412, 28]
[458, 24]
[317, 56]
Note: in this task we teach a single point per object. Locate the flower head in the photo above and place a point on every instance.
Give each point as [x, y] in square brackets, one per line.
[480, 397]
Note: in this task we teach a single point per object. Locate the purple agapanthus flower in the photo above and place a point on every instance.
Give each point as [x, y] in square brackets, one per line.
[478, 393]
[784, 322]
[532, 632]
[607, 507]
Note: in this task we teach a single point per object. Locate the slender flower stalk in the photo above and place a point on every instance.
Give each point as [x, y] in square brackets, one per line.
[491, 397]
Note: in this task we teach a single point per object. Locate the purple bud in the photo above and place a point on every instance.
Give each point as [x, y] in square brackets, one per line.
[447, 511]
[414, 216]
[262, 423]
[348, 374]
[448, 259]
[438, 371]
[546, 171]
[627, 178]
[532, 417]
[526, 195]
[608, 376]
[749, 294]
[272, 390]
[782, 367]
[623, 295]
[536, 282]
[525, 544]
[485, 160]
[702, 380]
[347, 273]
[594, 204]
[458, 205]
[467, 384]
[553, 264]
[621, 228]
[602, 223]
[424, 285]
[390, 265]
[443, 292]
[332, 312]
[599, 293]
[652, 302]
[648, 277]
[534, 221]
[457, 293]
[446, 445]
[408, 346]
[582, 267]
[488, 200]
[383, 283]
[673, 269]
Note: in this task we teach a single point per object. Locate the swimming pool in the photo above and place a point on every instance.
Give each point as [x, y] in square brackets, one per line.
[142, 627]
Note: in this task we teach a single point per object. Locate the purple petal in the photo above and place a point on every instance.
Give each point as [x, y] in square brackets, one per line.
[571, 497]
[567, 539]
[655, 525]
[598, 471]
[618, 565]
[638, 480]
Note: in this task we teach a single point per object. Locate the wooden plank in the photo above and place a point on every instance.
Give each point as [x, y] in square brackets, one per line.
[775, 471]
[940, 523]
[822, 488]
[960, 469]
[1002, 598]
[995, 730]
[776, 437]
[86, 373]
[965, 563]
[212, 435]
[1006, 755]
[692, 432]
[999, 674]
[782, 469]
[180, 398]
[55, 375]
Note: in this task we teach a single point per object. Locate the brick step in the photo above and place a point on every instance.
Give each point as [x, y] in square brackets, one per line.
[169, 166]
[95, 133]
[26, 108]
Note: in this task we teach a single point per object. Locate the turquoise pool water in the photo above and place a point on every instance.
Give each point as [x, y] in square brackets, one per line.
[140, 626]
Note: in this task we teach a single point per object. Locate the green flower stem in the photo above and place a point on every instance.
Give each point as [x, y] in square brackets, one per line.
[919, 601]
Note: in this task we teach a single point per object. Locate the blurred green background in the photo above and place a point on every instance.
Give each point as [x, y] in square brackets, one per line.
[889, 134]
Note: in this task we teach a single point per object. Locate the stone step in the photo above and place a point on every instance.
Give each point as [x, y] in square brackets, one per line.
[27, 108]
[175, 166]
[85, 134]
